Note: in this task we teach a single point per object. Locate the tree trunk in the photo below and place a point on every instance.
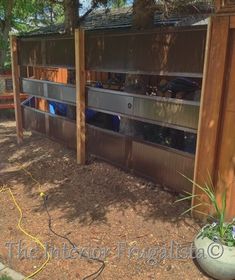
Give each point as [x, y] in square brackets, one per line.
[3, 49]
[143, 13]
[71, 14]
[5, 28]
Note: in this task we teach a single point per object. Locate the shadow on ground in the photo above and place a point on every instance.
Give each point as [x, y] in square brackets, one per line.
[86, 193]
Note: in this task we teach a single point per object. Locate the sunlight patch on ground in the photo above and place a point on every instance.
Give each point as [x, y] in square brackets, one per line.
[17, 155]
[4, 140]
[7, 168]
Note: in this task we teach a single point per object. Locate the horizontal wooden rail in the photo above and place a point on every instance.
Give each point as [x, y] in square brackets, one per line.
[151, 73]
[56, 66]
[11, 96]
[7, 106]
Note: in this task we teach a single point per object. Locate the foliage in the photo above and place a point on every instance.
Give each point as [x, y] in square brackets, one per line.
[25, 15]
[28, 14]
[219, 230]
[118, 3]
[223, 233]
[22, 16]
[5, 277]
[184, 6]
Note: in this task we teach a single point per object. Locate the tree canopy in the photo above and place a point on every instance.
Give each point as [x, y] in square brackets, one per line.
[25, 15]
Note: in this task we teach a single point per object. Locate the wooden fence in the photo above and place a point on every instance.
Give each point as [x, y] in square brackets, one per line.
[49, 64]
[168, 52]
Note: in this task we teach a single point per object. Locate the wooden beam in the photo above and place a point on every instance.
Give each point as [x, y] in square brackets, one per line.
[225, 6]
[211, 103]
[7, 106]
[16, 88]
[226, 146]
[200, 124]
[80, 95]
[11, 96]
[232, 22]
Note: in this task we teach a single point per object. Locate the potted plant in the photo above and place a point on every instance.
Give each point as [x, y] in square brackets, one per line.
[214, 245]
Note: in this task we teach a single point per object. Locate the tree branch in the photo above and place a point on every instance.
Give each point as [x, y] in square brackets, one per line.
[94, 6]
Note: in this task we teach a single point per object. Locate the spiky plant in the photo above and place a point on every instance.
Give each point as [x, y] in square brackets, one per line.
[218, 230]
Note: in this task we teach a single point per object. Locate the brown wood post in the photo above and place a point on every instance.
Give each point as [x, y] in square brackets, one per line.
[16, 88]
[80, 95]
[225, 164]
[225, 6]
[215, 153]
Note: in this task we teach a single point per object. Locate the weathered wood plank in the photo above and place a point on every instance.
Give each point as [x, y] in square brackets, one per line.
[211, 102]
[211, 98]
[226, 144]
[11, 96]
[216, 140]
[7, 106]
[232, 22]
[225, 6]
[80, 95]
[16, 89]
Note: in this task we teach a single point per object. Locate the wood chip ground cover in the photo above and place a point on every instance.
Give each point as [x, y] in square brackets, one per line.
[97, 206]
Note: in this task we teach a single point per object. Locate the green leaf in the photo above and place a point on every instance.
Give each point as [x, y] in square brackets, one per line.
[230, 244]
[191, 208]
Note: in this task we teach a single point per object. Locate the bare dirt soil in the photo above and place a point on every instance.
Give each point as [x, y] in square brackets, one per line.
[99, 206]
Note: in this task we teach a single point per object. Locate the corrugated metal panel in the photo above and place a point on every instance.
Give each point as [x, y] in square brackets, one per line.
[110, 101]
[55, 127]
[63, 130]
[33, 87]
[65, 93]
[107, 145]
[50, 90]
[30, 52]
[180, 114]
[60, 52]
[41, 51]
[33, 120]
[160, 164]
[160, 51]
[163, 165]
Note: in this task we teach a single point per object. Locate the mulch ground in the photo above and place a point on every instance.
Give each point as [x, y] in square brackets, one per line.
[130, 222]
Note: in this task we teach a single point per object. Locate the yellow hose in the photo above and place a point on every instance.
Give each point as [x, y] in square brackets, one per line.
[35, 239]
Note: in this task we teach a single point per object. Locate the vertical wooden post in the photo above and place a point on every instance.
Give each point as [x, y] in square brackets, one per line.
[216, 141]
[16, 89]
[225, 164]
[80, 95]
[225, 6]
[211, 106]
[27, 71]
[196, 191]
